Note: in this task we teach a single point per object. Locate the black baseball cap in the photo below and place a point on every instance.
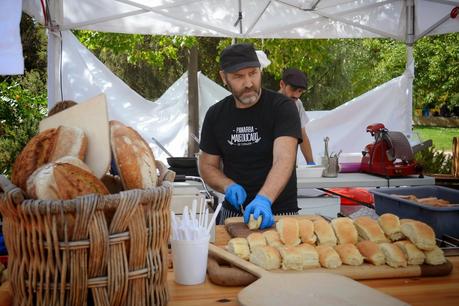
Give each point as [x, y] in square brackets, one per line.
[237, 57]
[295, 78]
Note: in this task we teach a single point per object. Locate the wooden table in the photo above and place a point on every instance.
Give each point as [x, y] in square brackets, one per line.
[425, 291]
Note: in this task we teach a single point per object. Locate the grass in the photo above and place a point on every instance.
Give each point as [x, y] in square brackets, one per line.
[442, 137]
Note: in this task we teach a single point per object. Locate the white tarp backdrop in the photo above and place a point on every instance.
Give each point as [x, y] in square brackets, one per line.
[166, 119]
[11, 60]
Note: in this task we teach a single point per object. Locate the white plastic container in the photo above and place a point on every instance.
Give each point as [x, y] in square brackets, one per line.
[309, 171]
[189, 259]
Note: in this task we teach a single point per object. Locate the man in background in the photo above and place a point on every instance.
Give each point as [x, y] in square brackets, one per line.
[292, 85]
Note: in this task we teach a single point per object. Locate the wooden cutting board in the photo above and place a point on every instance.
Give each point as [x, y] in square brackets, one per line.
[236, 227]
[304, 289]
[92, 117]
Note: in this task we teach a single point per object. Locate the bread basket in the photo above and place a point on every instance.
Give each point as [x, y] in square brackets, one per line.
[92, 250]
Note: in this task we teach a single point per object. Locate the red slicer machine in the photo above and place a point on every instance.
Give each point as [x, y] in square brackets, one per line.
[390, 155]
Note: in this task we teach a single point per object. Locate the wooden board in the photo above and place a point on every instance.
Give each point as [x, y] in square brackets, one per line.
[303, 288]
[92, 117]
[236, 227]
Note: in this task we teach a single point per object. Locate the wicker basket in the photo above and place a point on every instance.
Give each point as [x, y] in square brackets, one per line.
[93, 250]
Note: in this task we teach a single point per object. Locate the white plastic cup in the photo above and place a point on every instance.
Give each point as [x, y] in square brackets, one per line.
[189, 258]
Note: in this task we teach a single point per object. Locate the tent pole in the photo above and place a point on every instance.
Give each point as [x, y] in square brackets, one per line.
[54, 52]
[193, 101]
[409, 69]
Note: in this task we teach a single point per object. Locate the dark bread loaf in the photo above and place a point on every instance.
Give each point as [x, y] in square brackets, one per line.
[133, 157]
[48, 146]
[35, 154]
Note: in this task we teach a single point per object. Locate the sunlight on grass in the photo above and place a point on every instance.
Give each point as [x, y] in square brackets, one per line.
[442, 138]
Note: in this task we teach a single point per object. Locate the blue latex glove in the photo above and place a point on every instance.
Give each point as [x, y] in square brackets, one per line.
[261, 205]
[311, 163]
[235, 195]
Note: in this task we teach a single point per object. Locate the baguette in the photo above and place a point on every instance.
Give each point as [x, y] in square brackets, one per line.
[292, 258]
[349, 254]
[324, 233]
[419, 233]
[306, 229]
[345, 230]
[256, 240]
[328, 257]
[288, 230]
[435, 256]
[371, 252]
[272, 238]
[414, 256]
[368, 229]
[266, 257]
[254, 224]
[239, 247]
[394, 256]
[310, 255]
[390, 224]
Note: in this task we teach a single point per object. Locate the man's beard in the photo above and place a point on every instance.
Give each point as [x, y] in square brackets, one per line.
[250, 99]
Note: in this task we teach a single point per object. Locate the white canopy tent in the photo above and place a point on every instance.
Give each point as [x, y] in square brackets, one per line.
[404, 20]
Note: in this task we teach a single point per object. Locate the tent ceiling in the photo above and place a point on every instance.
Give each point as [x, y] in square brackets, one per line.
[260, 18]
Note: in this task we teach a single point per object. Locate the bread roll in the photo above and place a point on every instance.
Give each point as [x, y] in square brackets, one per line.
[288, 230]
[133, 156]
[368, 229]
[349, 254]
[256, 240]
[414, 256]
[306, 228]
[419, 233]
[266, 257]
[371, 252]
[345, 230]
[390, 224]
[328, 257]
[239, 247]
[435, 256]
[292, 258]
[70, 141]
[254, 224]
[310, 255]
[394, 256]
[35, 154]
[272, 238]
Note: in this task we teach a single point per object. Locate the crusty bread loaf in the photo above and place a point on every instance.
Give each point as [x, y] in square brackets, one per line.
[371, 252]
[254, 224]
[134, 159]
[394, 256]
[324, 232]
[390, 224]
[414, 256]
[292, 258]
[368, 229]
[272, 238]
[345, 230]
[349, 254]
[306, 228]
[70, 141]
[239, 247]
[419, 233]
[35, 154]
[328, 257]
[256, 240]
[64, 179]
[310, 255]
[288, 230]
[435, 256]
[266, 257]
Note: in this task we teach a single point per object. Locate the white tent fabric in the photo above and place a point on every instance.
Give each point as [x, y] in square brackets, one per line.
[166, 119]
[11, 59]
[258, 18]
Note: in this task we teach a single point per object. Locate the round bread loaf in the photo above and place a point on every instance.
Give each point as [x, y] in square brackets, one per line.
[36, 153]
[133, 157]
[48, 146]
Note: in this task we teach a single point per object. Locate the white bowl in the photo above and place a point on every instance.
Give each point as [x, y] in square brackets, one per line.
[309, 171]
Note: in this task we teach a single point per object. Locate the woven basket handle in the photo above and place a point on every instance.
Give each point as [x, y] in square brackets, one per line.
[10, 195]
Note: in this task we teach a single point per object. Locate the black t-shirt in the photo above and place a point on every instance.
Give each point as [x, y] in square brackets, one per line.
[244, 139]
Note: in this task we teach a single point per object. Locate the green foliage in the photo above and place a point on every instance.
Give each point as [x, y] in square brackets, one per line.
[21, 110]
[442, 138]
[433, 161]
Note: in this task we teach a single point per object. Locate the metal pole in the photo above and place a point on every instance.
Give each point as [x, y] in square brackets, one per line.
[193, 101]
